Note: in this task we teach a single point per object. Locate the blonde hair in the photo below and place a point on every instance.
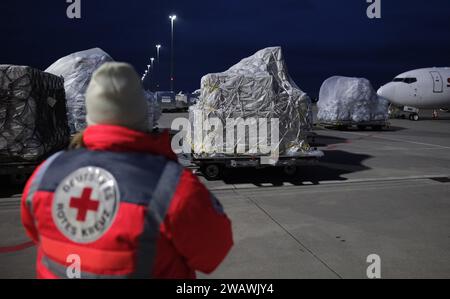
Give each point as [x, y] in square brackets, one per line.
[77, 141]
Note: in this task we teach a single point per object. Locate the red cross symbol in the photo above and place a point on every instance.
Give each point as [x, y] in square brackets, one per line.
[84, 204]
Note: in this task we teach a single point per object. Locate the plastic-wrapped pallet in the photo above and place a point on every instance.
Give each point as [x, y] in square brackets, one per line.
[154, 108]
[354, 100]
[257, 87]
[33, 116]
[77, 70]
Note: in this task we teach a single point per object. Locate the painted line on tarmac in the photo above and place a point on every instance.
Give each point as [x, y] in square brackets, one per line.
[15, 248]
[333, 182]
[398, 140]
[10, 202]
[397, 149]
[386, 179]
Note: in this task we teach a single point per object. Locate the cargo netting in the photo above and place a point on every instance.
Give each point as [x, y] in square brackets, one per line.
[33, 117]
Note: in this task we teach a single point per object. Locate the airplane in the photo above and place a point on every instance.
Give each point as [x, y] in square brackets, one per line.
[427, 88]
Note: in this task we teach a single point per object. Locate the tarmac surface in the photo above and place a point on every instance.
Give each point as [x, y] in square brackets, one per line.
[374, 192]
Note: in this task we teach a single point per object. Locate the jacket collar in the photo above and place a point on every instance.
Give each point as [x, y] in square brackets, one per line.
[120, 139]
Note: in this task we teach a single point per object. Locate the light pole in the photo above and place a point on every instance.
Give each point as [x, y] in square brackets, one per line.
[144, 76]
[172, 63]
[152, 60]
[158, 49]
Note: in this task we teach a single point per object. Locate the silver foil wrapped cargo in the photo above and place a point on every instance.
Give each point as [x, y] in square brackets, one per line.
[258, 87]
[154, 108]
[77, 70]
[350, 100]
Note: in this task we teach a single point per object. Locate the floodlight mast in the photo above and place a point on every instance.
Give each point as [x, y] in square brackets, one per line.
[172, 60]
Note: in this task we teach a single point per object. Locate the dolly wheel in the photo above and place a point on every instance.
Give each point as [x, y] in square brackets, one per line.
[415, 117]
[290, 170]
[212, 171]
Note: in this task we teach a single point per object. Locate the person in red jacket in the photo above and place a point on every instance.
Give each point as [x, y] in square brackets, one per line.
[119, 201]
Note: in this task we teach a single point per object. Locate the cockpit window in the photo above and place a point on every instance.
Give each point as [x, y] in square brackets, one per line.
[405, 80]
[410, 80]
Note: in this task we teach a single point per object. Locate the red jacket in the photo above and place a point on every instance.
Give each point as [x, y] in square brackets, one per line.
[126, 208]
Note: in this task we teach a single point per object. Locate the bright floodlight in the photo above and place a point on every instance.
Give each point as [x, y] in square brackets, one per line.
[152, 59]
[158, 46]
[173, 17]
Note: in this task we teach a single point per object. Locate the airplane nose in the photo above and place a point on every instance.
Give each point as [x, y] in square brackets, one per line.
[381, 91]
[386, 92]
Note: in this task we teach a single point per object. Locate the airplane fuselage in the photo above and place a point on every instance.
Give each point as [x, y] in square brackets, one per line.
[427, 88]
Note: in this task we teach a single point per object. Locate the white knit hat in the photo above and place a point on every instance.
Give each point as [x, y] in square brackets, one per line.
[115, 97]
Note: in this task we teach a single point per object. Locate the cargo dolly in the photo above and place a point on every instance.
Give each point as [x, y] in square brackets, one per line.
[213, 167]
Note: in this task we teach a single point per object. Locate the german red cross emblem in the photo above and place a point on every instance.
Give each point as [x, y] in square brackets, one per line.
[85, 204]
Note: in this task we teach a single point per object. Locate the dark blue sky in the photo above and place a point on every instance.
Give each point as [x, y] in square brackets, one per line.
[320, 38]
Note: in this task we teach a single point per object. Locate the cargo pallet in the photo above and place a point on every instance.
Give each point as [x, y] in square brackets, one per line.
[344, 125]
[18, 172]
[212, 167]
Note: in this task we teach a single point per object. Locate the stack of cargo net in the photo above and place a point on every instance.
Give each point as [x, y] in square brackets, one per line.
[258, 87]
[350, 100]
[33, 121]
